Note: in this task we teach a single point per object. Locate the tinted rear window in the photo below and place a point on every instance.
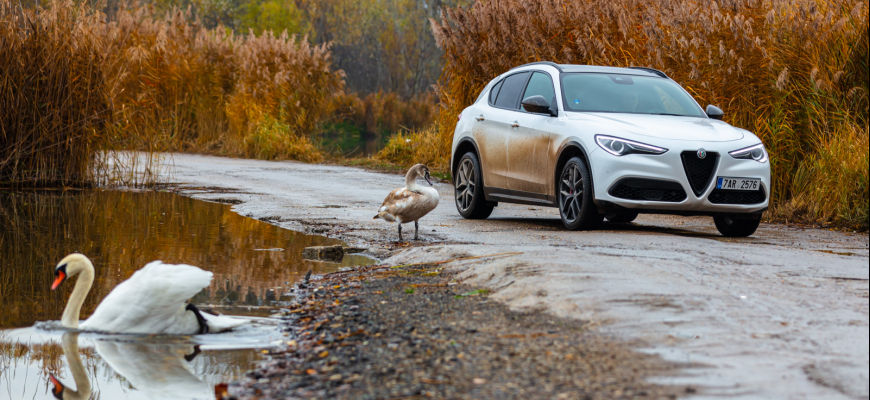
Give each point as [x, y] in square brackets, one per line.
[509, 95]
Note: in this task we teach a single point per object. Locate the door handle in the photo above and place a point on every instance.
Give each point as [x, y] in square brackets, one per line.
[515, 124]
[479, 117]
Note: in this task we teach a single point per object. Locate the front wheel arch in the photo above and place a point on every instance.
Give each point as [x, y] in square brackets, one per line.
[566, 152]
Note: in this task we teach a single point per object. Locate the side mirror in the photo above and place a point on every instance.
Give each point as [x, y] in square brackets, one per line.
[537, 104]
[715, 112]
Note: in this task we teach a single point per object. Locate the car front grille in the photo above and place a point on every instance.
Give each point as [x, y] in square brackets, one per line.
[648, 189]
[721, 196]
[699, 170]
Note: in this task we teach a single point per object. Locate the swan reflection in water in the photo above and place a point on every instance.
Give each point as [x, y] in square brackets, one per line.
[159, 371]
[131, 368]
[77, 369]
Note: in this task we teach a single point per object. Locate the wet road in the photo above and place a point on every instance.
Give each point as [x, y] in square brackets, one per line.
[782, 314]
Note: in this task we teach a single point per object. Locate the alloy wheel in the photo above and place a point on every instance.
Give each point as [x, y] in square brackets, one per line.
[571, 193]
[465, 185]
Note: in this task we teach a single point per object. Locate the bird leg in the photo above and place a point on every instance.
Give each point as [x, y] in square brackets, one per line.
[416, 228]
[400, 231]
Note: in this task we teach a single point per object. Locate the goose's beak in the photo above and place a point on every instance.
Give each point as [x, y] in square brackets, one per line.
[60, 278]
[428, 179]
[58, 387]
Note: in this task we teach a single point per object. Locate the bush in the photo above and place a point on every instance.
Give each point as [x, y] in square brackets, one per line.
[417, 147]
[271, 139]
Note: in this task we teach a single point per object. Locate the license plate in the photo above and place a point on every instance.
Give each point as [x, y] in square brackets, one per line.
[738, 183]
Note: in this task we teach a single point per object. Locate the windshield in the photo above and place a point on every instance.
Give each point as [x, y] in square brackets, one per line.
[591, 92]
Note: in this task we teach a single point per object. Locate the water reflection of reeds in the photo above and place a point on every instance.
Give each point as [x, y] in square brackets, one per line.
[121, 232]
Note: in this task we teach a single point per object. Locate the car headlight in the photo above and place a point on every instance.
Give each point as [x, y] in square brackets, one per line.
[757, 153]
[621, 147]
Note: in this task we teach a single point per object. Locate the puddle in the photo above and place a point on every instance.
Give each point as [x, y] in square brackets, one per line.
[252, 262]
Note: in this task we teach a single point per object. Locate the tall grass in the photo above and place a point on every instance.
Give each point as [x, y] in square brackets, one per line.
[76, 90]
[53, 101]
[792, 71]
[385, 111]
[198, 89]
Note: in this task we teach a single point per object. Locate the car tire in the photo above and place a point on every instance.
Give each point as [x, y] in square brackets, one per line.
[574, 194]
[730, 226]
[468, 189]
[622, 217]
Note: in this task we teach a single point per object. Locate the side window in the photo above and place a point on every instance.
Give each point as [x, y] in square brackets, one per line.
[484, 91]
[494, 92]
[540, 85]
[508, 96]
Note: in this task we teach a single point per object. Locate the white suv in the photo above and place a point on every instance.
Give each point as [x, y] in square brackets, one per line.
[608, 142]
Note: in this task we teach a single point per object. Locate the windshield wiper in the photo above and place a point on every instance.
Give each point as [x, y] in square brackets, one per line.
[675, 115]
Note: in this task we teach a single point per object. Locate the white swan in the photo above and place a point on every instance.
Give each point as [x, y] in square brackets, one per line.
[152, 301]
[411, 202]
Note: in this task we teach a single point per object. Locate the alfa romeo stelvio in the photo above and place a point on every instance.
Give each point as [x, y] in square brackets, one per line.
[604, 142]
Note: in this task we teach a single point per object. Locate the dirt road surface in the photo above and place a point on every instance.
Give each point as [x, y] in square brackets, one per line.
[779, 315]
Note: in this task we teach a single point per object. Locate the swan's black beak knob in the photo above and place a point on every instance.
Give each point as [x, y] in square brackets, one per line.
[58, 387]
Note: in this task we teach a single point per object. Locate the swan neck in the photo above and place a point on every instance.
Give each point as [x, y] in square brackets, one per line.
[411, 181]
[80, 375]
[73, 309]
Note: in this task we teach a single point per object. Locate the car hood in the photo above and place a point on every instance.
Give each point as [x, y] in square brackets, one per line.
[659, 126]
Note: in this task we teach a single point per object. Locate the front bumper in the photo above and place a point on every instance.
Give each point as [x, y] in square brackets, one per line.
[608, 170]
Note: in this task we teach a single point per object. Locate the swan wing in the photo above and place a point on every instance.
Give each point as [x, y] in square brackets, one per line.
[151, 301]
[398, 202]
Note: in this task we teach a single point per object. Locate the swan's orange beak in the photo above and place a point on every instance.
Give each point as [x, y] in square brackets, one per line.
[60, 277]
[58, 387]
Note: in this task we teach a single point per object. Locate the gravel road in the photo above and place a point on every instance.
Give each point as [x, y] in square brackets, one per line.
[780, 315]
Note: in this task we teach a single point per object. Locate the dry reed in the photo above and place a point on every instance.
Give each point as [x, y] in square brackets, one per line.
[386, 111]
[212, 90]
[76, 91]
[53, 101]
[792, 71]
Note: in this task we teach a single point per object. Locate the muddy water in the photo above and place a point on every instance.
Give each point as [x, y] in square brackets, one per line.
[121, 231]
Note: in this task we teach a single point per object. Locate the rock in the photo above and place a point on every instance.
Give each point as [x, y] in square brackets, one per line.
[323, 253]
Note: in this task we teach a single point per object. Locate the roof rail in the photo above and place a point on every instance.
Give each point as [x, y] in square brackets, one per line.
[655, 71]
[550, 63]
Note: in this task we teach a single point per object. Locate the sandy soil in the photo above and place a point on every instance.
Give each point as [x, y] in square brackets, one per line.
[782, 314]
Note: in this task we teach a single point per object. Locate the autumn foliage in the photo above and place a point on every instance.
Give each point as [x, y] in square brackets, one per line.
[792, 71]
[53, 100]
[75, 86]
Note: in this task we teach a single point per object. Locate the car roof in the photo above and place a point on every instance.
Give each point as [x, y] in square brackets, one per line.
[569, 68]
